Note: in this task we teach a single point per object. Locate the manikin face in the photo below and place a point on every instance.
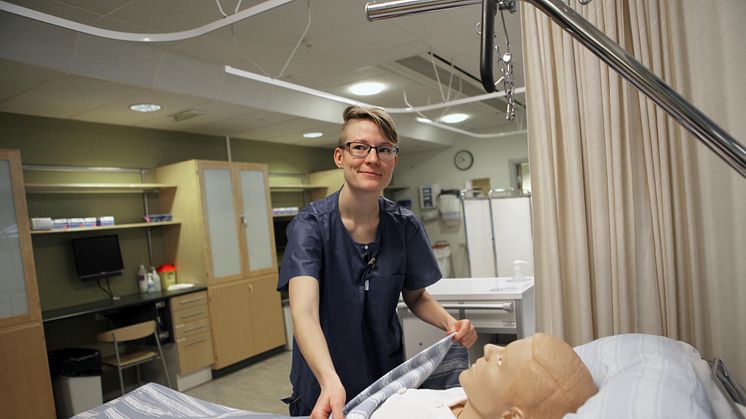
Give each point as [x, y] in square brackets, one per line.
[365, 174]
[487, 381]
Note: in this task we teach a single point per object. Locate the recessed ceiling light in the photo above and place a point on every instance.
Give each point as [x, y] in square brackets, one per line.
[312, 135]
[145, 107]
[454, 118]
[367, 88]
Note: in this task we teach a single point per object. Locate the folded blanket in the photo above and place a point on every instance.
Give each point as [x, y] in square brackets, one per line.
[410, 374]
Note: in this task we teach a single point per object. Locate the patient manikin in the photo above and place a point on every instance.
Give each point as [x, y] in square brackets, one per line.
[535, 377]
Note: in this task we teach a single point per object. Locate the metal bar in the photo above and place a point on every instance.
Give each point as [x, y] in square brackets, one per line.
[714, 137]
[487, 42]
[497, 306]
[396, 8]
[462, 196]
[492, 231]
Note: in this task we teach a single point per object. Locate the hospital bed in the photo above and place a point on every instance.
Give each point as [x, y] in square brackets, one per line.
[638, 376]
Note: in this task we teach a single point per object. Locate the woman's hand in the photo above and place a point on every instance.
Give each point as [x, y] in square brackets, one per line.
[466, 334]
[331, 400]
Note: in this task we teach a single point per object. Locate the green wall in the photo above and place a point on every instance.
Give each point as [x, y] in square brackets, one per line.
[47, 141]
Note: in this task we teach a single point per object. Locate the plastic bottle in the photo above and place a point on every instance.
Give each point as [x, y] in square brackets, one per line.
[156, 280]
[142, 280]
[151, 284]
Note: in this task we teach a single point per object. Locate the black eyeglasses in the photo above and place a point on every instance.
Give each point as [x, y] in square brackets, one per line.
[360, 150]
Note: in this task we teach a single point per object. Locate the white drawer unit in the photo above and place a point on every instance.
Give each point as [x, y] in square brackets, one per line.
[494, 306]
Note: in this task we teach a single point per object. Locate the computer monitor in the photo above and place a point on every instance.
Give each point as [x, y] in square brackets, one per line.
[97, 257]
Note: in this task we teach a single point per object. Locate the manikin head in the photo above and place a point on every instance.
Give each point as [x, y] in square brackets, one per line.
[535, 377]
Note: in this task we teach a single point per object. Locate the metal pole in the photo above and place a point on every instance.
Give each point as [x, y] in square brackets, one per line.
[396, 8]
[696, 122]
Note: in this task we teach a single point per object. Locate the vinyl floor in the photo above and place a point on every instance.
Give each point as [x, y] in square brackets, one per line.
[258, 387]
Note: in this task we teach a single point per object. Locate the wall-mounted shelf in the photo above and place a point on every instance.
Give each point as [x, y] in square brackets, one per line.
[114, 227]
[295, 188]
[95, 187]
[396, 188]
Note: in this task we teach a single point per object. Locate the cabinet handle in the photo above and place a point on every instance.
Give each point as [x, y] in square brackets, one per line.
[251, 289]
[191, 300]
[199, 313]
[196, 342]
[192, 329]
[244, 221]
[498, 307]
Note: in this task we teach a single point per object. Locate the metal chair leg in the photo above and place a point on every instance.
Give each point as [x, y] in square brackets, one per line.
[163, 359]
[119, 365]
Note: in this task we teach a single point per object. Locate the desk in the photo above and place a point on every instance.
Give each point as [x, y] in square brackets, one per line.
[109, 305]
[185, 337]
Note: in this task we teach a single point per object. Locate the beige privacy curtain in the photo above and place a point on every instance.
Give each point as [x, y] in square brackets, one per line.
[637, 226]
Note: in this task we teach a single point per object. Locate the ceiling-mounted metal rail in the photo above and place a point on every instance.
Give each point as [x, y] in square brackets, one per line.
[715, 138]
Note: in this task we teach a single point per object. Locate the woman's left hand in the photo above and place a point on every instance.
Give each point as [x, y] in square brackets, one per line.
[465, 332]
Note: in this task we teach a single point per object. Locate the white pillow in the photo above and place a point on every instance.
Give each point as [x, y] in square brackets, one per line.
[642, 376]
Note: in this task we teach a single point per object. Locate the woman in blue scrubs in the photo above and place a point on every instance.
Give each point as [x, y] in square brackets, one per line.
[348, 259]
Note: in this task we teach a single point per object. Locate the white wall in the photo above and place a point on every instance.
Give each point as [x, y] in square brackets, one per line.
[491, 160]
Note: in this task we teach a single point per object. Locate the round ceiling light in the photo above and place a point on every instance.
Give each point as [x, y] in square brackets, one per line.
[145, 107]
[312, 135]
[367, 88]
[454, 118]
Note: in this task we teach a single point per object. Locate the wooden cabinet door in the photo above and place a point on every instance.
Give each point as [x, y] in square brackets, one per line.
[19, 295]
[256, 217]
[267, 324]
[25, 385]
[221, 213]
[229, 321]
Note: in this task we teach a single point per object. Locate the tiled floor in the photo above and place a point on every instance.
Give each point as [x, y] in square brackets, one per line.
[258, 387]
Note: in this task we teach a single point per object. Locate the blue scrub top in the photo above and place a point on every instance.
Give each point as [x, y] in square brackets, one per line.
[361, 327]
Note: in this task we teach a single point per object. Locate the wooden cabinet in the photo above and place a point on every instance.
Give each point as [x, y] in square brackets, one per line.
[25, 385]
[229, 316]
[226, 220]
[265, 314]
[249, 320]
[226, 241]
[191, 326]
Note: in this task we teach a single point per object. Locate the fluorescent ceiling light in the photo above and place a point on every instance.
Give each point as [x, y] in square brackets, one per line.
[454, 118]
[187, 114]
[369, 88]
[145, 107]
[312, 135]
[423, 120]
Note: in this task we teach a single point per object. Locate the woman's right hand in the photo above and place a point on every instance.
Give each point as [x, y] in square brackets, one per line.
[331, 400]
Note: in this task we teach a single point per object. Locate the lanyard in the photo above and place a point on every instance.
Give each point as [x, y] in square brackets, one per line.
[368, 267]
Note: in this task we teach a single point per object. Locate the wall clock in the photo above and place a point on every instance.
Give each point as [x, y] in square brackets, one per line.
[463, 160]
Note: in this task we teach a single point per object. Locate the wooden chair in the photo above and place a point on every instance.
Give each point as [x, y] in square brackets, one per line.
[133, 357]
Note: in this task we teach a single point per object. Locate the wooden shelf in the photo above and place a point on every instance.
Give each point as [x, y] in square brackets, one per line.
[95, 187]
[283, 216]
[294, 188]
[114, 227]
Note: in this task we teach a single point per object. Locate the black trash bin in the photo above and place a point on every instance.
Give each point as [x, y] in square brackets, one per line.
[76, 378]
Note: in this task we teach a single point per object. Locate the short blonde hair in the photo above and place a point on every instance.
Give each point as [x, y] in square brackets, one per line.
[376, 115]
[553, 383]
